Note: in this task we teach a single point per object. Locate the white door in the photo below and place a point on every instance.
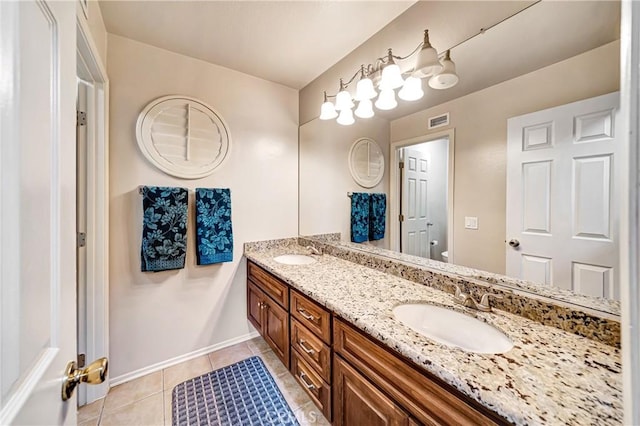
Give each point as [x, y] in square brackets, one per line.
[415, 226]
[562, 206]
[37, 210]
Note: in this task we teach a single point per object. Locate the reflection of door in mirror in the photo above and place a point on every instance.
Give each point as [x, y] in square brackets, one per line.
[422, 181]
[424, 199]
[566, 226]
[414, 217]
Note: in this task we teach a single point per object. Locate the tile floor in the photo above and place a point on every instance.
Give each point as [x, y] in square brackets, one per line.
[147, 401]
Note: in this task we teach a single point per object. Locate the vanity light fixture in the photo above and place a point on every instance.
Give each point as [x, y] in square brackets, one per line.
[387, 76]
[447, 77]
[328, 110]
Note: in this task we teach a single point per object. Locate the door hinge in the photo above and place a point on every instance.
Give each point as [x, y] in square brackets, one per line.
[401, 218]
[82, 359]
[81, 118]
[82, 239]
[401, 164]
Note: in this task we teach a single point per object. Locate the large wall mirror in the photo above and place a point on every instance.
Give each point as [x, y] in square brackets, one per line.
[550, 55]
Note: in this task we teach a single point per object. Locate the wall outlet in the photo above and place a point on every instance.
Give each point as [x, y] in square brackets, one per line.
[470, 222]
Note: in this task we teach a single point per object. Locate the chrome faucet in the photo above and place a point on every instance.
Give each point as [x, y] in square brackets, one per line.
[314, 250]
[465, 299]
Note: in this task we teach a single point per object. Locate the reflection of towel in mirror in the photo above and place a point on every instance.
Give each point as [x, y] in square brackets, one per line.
[164, 228]
[377, 214]
[359, 217]
[213, 226]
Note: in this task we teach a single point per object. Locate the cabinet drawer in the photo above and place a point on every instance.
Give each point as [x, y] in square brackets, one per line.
[271, 285]
[311, 349]
[430, 400]
[311, 315]
[312, 383]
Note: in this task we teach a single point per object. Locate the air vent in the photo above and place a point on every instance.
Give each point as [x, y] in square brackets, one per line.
[439, 121]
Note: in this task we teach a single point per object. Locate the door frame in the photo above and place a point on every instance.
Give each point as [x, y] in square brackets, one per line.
[630, 209]
[97, 290]
[394, 186]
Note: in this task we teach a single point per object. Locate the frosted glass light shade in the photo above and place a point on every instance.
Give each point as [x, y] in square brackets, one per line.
[343, 101]
[446, 78]
[328, 111]
[391, 77]
[365, 90]
[365, 109]
[387, 100]
[427, 62]
[412, 89]
[346, 117]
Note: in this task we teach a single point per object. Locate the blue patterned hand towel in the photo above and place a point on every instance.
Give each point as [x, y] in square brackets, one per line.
[164, 228]
[359, 217]
[213, 225]
[377, 216]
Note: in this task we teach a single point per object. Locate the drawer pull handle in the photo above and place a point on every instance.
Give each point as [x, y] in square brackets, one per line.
[303, 379]
[306, 315]
[305, 348]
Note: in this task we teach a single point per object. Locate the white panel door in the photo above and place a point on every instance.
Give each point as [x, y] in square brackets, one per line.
[562, 206]
[37, 210]
[415, 227]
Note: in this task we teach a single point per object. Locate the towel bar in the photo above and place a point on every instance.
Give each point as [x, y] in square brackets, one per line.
[142, 186]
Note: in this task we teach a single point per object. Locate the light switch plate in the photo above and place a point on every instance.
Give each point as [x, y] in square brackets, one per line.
[470, 222]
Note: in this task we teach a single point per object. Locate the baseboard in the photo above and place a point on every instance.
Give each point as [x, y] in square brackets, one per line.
[177, 360]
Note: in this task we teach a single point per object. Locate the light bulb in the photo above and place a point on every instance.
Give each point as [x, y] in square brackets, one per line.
[386, 100]
[365, 109]
[391, 77]
[365, 90]
[412, 89]
[346, 117]
[343, 101]
[446, 78]
[328, 111]
[427, 62]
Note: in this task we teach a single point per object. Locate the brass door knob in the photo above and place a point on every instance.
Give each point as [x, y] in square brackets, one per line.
[93, 374]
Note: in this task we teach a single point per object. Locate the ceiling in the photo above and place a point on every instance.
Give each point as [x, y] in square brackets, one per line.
[548, 32]
[287, 42]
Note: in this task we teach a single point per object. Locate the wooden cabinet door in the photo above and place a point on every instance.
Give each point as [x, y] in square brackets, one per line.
[275, 329]
[358, 402]
[255, 300]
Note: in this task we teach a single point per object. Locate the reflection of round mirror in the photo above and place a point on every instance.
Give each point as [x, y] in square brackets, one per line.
[366, 162]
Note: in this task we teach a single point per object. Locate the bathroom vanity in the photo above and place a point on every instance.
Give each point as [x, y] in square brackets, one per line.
[331, 323]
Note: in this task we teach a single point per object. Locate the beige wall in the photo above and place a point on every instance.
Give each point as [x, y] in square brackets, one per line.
[480, 123]
[158, 316]
[325, 178]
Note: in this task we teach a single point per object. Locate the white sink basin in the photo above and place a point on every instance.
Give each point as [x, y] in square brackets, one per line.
[295, 259]
[452, 328]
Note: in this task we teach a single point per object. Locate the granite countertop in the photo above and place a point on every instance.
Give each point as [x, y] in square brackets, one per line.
[549, 377]
[601, 305]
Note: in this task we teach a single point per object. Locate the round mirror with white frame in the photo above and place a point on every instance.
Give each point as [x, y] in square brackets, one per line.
[366, 162]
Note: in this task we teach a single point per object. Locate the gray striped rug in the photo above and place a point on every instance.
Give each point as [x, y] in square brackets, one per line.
[240, 394]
